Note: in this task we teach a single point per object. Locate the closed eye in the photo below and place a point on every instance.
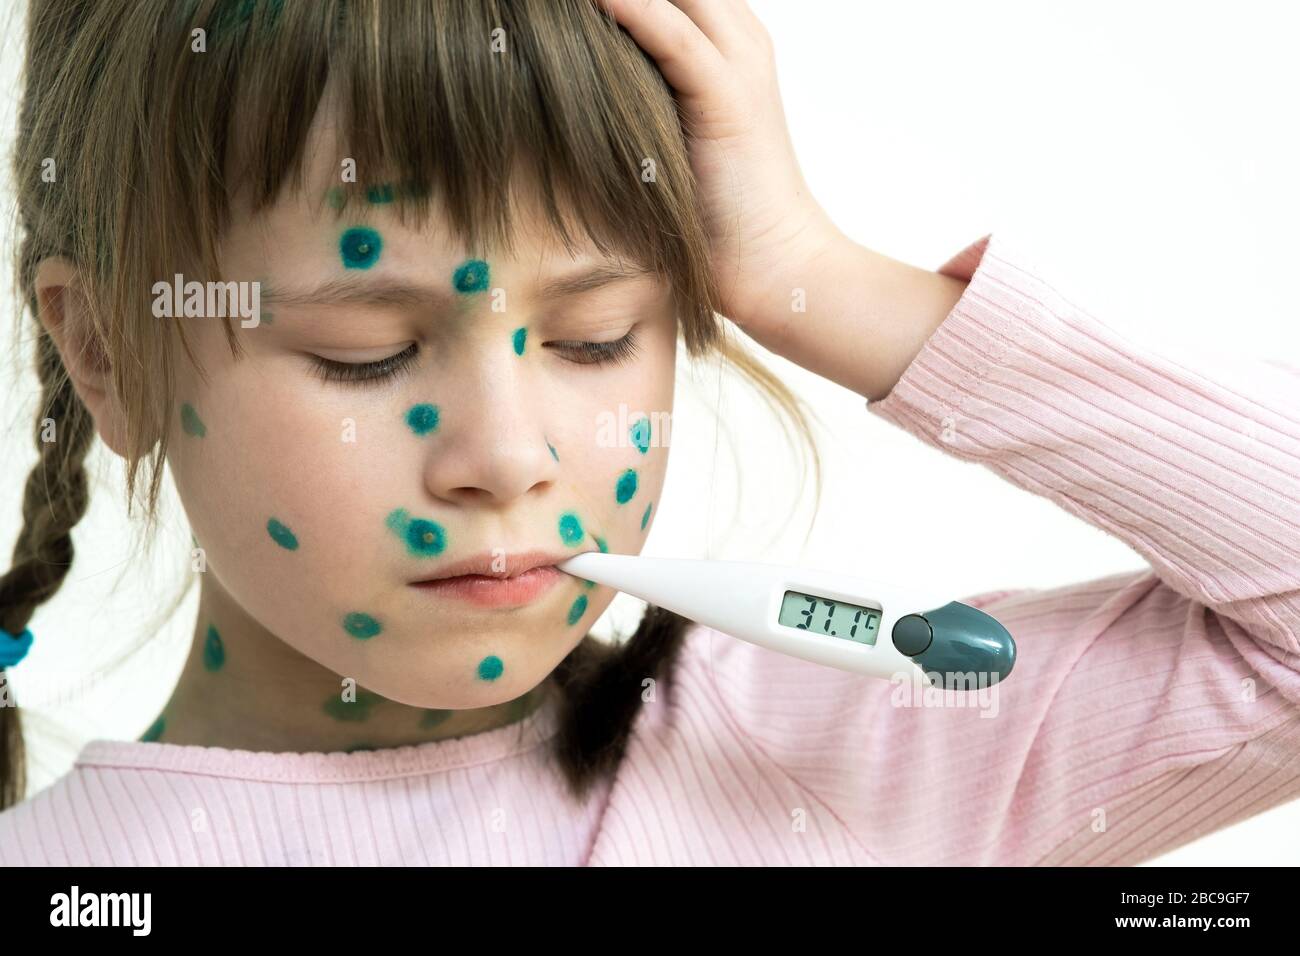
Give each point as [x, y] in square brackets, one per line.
[366, 372]
[598, 353]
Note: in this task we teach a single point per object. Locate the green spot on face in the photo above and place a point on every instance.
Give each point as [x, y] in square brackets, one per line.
[422, 418]
[361, 625]
[335, 197]
[191, 422]
[570, 528]
[470, 276]
[646, 517]
[590, 584]
[519, 337]
[490, 668]
[554, 453]
[600, 543]
[214, 651]
[641, 435]
[281, 535]
[360, 247]
[423, 538]
[432, 717]
[380, 194]
[626, 487]
[352, 710]
[578, 609]
[155, 731]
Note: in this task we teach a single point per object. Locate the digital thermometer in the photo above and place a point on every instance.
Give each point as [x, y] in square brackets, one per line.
[856, 624]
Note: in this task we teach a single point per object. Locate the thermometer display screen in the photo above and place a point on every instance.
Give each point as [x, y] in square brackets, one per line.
[849, 622]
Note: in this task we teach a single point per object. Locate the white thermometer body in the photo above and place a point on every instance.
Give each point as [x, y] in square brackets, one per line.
[857, 624]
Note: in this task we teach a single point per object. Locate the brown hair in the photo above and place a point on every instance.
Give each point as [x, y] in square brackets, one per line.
[140, 127]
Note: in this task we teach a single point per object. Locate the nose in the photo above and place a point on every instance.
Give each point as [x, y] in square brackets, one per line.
[492, 445]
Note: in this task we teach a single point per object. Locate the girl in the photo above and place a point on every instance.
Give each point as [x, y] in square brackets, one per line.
[474, 229]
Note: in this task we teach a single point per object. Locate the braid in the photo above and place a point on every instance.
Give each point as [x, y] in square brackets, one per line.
[54, 500]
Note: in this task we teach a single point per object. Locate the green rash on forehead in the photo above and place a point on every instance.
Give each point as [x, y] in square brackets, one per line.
[422, 418]
[361, 625]
[423, 538]
[470, 276]
[626, 486]
[214, 651]
[359, 247]
[191, 423]
[640, 433]
[281, 535]
[354, 710]
[490, 668]
[155, 731]
[518, 339]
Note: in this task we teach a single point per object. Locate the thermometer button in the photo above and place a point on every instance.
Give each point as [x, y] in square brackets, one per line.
[912, 634]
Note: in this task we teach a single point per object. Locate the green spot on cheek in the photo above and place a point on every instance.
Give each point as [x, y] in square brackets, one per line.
[361, 625]
[600, 543]
[570, 528]
[519, 337]
[646, 517]
[360, 247]
[641, 435]
[470, 276]
[214, 651]
[423, 538]
[554, 453]
[155, 730]
[490, 668]
[191, 422]
[626, 487]
[422, 418]
[578, 609]
[281, 535]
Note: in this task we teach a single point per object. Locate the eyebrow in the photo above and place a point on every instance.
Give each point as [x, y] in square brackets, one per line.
[377, 290]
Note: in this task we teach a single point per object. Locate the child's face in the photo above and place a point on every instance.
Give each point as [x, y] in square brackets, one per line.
[319, 504]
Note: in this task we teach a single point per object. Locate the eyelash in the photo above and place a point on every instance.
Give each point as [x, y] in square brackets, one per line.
[592, 353]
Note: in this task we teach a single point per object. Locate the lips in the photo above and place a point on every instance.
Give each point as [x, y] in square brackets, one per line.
[496, 580]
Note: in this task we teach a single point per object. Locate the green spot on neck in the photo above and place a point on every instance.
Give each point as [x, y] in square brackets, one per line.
[191, 422]
[214, 651]
[578, 609]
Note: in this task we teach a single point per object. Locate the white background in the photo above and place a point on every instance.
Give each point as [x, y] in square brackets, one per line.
[1144, 154]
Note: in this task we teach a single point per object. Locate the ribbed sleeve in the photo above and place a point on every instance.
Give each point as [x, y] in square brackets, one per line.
[1145, 708]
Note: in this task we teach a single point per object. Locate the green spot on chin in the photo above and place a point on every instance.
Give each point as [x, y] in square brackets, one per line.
[600, 543]
[360, 247]
[361, 625]
[214, 651]
[570, 528]
[520, 336]
[626, 487]
[422, 418]
[578, 609]
[490, 668]
[155, 731]
[423, 538]
[191, 422]
[470, 276]
[641, 435]
[646, 517]
[281, 535]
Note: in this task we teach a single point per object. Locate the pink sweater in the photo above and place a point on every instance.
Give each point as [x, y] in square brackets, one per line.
[1145, 708]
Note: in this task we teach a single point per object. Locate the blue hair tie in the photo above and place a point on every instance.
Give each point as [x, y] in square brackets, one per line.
[13, 648]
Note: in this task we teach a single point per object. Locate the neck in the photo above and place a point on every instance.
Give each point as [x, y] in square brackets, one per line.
[248, 690]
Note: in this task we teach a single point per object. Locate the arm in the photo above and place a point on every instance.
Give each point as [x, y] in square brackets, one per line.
[1146, 708]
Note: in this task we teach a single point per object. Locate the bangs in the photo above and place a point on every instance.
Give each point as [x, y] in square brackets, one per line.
[453, 101]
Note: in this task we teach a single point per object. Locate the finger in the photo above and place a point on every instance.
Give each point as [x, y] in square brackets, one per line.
[687, 58]
[719, 20]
